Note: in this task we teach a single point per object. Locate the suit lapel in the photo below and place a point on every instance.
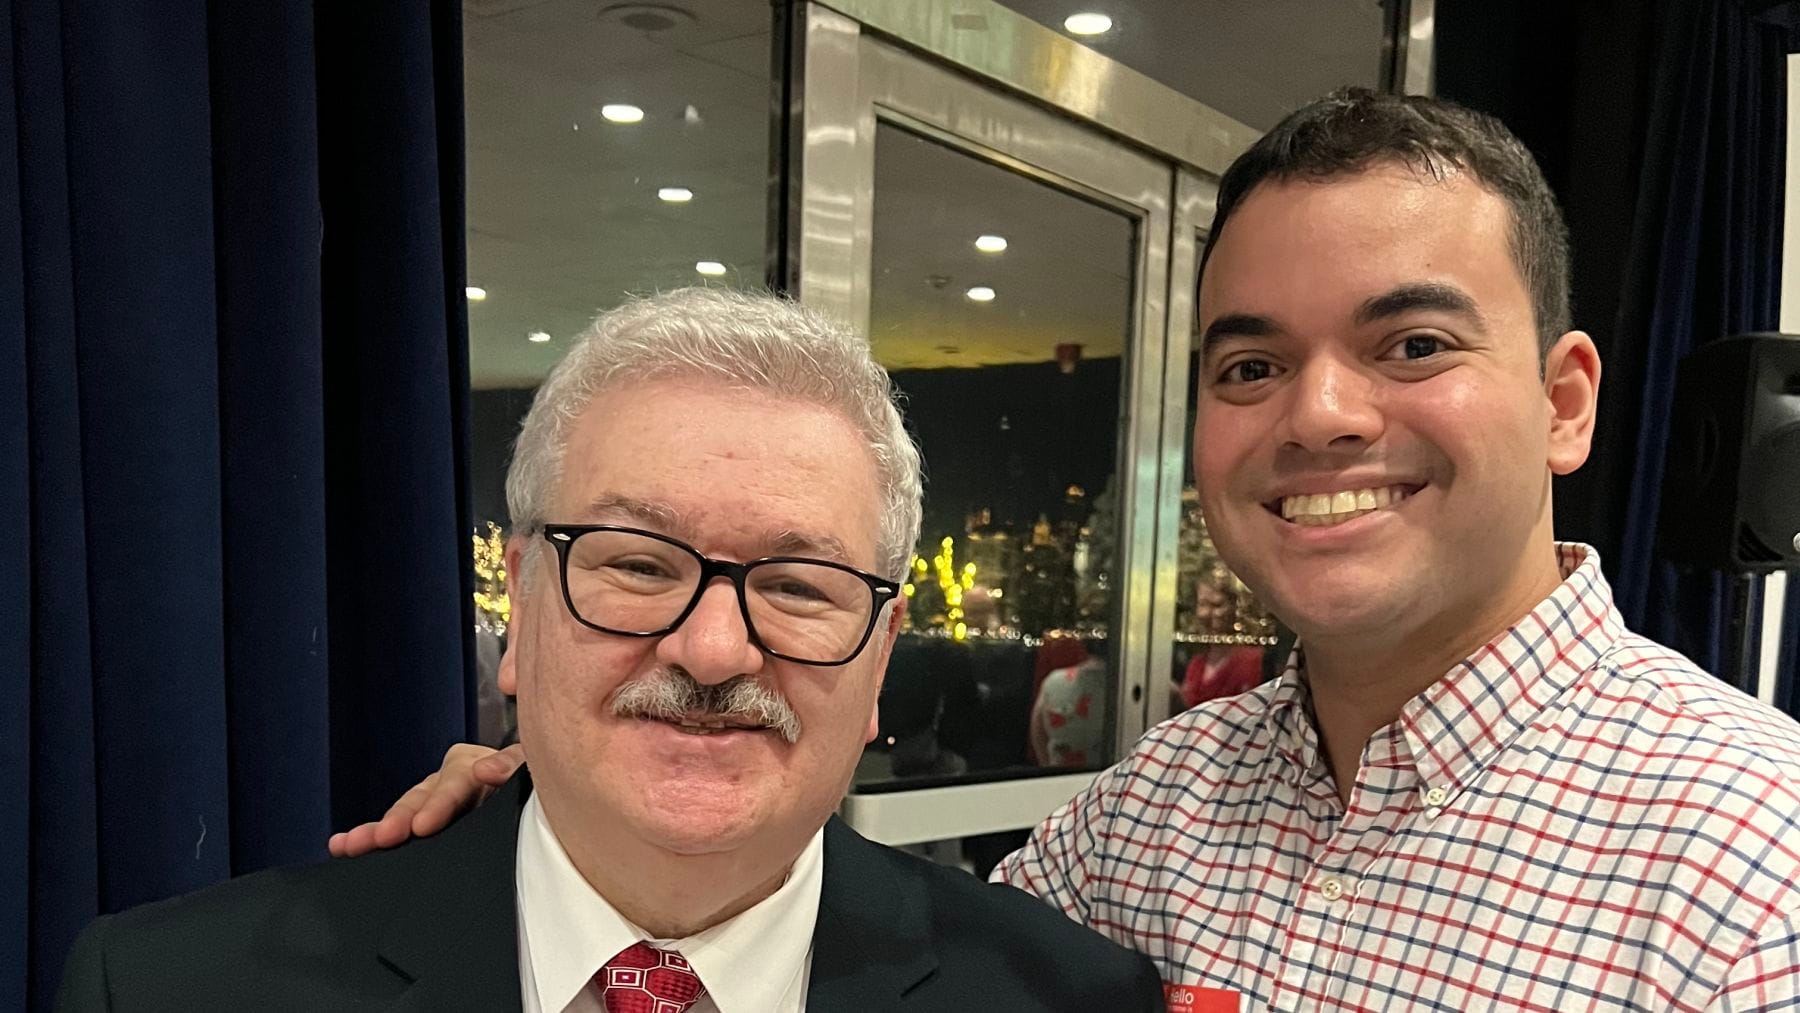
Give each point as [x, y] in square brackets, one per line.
[873, 939]
[458, 944]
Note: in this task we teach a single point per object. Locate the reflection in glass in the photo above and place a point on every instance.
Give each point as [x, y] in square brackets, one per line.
[1010, 355]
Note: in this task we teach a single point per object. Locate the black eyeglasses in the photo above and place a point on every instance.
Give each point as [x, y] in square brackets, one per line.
[640, 584]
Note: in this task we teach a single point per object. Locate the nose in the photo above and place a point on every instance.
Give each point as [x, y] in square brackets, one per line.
[1331, 408]
[712, 644]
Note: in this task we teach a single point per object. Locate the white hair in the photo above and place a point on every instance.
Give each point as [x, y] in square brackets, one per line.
[748, 339]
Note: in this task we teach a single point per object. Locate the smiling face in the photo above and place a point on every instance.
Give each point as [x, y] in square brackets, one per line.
[1374, 440]
[738, 475]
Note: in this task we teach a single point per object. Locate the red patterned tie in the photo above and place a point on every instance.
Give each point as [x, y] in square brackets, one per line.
[645, 980]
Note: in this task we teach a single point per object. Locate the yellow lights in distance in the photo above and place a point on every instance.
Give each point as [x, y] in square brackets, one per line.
[990, 244]
[980, 293]
[493, 609]
[710, 268]
[621, 112]
[475, 293]
[674, 195]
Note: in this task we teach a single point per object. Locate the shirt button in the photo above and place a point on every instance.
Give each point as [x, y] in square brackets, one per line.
[1332, 889]
[1435, 797]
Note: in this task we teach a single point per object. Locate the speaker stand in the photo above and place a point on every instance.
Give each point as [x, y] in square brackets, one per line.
[1743, 639]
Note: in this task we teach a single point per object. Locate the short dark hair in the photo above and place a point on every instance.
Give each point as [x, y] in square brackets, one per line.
[1353, 129]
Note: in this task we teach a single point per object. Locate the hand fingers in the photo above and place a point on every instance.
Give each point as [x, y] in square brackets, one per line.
[452, 797]
[353, 842]
[469, 774]
[395, 826]
[496, 769]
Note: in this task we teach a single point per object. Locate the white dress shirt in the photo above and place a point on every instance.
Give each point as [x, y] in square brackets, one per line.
[756, 962]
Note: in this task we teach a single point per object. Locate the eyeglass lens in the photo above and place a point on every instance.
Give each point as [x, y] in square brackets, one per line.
[631, 583]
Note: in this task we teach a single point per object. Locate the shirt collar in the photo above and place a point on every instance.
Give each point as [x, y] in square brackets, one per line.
[1289, 717]
[1465, 718]
[748, 963]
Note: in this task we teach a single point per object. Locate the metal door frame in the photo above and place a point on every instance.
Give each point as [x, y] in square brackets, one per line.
[855, 79]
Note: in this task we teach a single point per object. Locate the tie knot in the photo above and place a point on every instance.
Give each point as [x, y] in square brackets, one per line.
[641, 979]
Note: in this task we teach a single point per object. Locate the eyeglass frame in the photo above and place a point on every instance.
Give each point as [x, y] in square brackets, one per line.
[562, 536]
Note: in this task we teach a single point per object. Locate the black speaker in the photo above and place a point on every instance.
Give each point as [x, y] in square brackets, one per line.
[1731, 480]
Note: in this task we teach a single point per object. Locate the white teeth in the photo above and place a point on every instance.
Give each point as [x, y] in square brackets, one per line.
[1327, 509]
[709, 727]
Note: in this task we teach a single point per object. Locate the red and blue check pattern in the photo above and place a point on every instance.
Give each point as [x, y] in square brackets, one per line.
[1575, 818]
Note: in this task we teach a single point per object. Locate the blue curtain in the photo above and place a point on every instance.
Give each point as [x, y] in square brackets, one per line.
[1704, 263]
[233, 427]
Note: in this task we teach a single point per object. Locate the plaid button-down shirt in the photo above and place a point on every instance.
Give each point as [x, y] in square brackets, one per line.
[1575, 818]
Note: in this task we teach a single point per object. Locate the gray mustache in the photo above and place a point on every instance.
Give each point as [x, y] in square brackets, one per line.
[669, 694]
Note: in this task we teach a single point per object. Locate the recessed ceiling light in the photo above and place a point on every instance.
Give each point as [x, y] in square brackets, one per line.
[1088, 23]
[980, 293]
[990, 244]
[538, 337]
[710, 268]
[619, 112]
[675, 194]
[475, 293]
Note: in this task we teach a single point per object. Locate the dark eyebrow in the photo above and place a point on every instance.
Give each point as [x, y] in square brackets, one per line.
[1237, 325]
[1425, 295]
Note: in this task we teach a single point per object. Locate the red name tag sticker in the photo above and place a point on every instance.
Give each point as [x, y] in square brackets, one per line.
[1199, 999]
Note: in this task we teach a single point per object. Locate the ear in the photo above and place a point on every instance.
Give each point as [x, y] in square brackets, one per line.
[889, 631]
[508, 674]
[1572, 389]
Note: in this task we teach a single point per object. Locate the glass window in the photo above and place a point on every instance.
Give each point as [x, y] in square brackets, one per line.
[1006, 334]
[1253, 60]
[612, 149]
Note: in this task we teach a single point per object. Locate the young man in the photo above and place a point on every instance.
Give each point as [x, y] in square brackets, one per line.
[713, 496]
[1472, 787]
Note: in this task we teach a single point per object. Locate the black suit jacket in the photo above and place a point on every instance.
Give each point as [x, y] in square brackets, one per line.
[432, 926]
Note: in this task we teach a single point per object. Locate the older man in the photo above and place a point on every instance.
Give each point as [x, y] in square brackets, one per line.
[712, 496]
[1473, 787]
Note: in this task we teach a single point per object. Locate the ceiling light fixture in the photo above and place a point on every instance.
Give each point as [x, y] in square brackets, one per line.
[710, 268]
[990, 244]
[1088, 23]
[675, 194]
[537, 337]
[620, 112]
[475, 293]
[980, 293]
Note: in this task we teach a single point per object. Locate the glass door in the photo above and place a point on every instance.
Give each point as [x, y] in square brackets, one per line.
[1012, 268]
